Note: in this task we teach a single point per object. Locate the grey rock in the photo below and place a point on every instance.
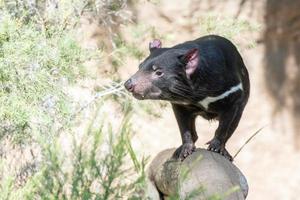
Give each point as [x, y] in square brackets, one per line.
[200, 176]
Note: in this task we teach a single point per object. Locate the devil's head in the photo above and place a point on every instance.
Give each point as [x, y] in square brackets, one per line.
[166, 74]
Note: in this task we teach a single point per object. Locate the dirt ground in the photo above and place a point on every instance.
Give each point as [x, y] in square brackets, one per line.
[269, 161]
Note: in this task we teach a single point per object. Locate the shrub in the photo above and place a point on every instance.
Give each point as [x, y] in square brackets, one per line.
[35, 68]
[94, 169]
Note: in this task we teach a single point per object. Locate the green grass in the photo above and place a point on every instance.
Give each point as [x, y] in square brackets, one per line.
[96, 168]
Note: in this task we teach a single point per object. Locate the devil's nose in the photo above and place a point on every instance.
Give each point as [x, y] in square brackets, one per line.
[128, 85]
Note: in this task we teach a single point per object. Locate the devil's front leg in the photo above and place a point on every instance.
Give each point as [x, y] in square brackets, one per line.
[186, 122]
[228, 121]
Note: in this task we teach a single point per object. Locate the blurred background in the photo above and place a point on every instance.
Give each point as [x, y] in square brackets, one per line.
[68, 129]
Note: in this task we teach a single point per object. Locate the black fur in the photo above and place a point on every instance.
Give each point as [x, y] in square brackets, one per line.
[164, 75]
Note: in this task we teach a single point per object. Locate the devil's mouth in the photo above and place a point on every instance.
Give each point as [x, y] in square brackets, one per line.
[138, 96]
[150, 95]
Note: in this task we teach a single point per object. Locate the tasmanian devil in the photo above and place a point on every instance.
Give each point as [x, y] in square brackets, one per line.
[205, 77]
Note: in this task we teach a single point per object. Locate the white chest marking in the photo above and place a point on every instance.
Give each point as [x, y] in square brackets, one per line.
[181, 103]
[207, 100]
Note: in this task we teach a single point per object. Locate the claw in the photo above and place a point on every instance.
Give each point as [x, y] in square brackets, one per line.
[216, 146]
[184, 151]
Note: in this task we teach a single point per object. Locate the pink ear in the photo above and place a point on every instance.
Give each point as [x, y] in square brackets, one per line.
[191, 59]
[156, 43]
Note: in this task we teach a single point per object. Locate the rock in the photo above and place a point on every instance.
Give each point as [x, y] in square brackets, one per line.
[202, 175]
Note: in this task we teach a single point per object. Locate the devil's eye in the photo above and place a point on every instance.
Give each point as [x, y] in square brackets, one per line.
[159, 73]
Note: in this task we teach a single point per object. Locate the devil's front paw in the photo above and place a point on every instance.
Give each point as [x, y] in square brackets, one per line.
[226, 154]
[216, 146]
[184, 151]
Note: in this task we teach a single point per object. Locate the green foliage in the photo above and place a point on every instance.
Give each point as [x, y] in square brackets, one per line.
[95, 168]
[34, 64]
[40, 59]
[6, 184]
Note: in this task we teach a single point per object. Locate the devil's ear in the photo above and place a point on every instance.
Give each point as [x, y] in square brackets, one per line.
[190, 61]
[155, 44]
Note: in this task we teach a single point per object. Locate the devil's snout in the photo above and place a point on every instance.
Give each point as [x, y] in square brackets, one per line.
[129, 85]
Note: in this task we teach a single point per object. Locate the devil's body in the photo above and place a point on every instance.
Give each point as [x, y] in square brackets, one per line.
[205, 77]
